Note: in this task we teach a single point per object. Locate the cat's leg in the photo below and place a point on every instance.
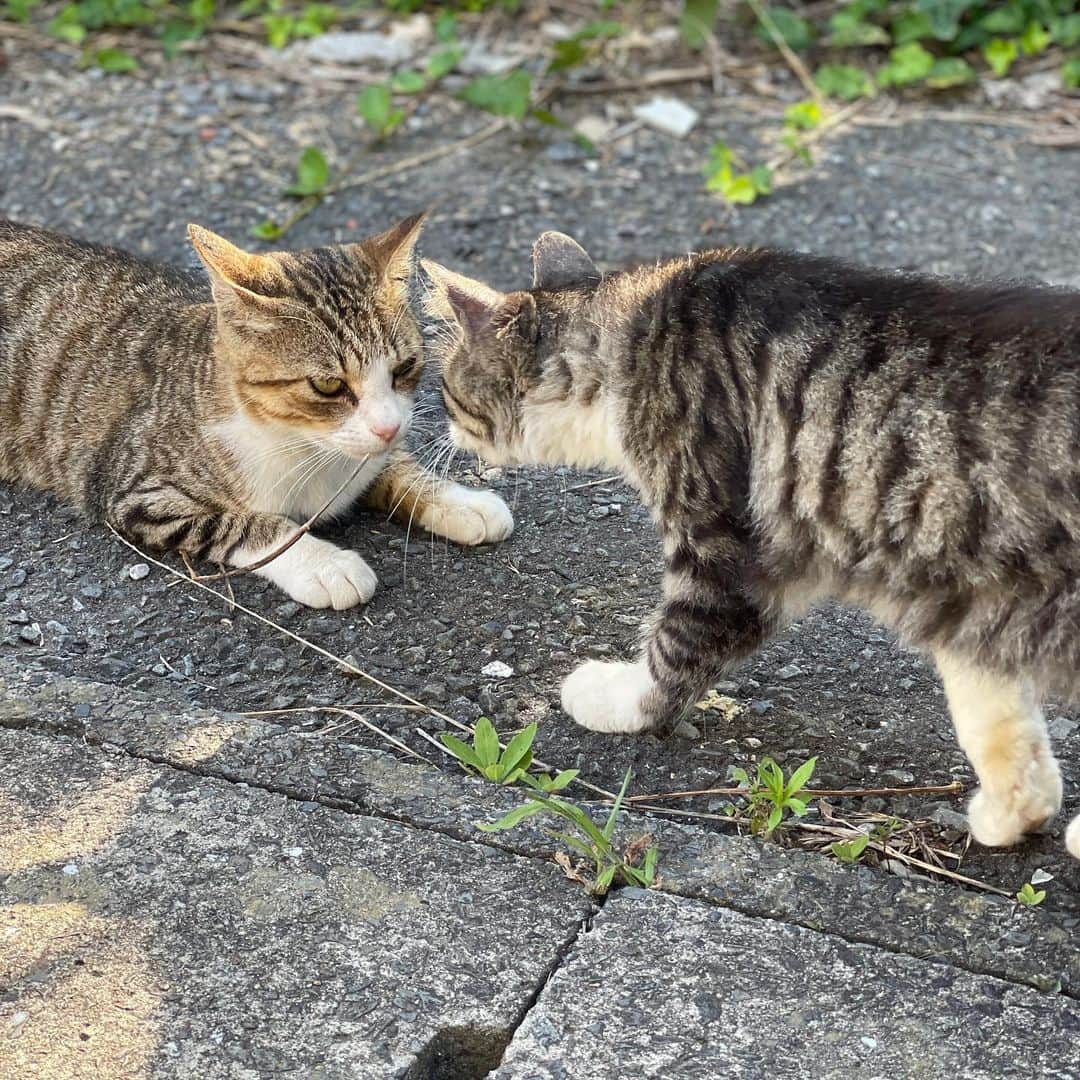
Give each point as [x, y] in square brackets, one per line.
[705, 624]
[312, 571]
[465, 515]
[1000, 727]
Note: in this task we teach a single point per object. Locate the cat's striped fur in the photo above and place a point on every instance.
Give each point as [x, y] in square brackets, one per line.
[802, 429]
[183, 411]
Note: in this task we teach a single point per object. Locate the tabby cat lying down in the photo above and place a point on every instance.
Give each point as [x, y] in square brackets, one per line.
[213, 418]
[802, 429]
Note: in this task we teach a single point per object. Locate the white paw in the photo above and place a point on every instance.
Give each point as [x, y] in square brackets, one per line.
[320, 575]
[998, 820]
[468, 516]
[607, 697]
[1072, 838]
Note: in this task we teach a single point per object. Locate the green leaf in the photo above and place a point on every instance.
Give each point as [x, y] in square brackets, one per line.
[796, 805]
[696, 21]
[19, 10]
[761, 178]
[1029, 896]
[266, 230]
[1000, 54]
[316, 19]
[312, 172]
[503, 95]
[445, 26]
[67, 25]
[849, 851]
[1034, 39]
[407, 82]
[950, 71]
[486, 742]
[515, 817]
[279, 30]
[115, 61]
[739, 775]
[560, 781]
[567, 54]
[376, 107]
[911, 26]
[1070, 74]
[800, 777]
[907, 64]
[1066, 30]
[648, 867]
[1005, 19]
[944, 16]
[774, 819]
[843, 81]
[804, 115]
[604, 879]
[796, 32]
[517, 749]
[443, 61]
[609, 826]
[847, 30]
[464, 753]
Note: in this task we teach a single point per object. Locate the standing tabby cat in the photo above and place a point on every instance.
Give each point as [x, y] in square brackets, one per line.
[211, 419]
[803, 429]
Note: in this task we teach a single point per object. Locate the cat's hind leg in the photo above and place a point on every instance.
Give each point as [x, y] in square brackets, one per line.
[1072, 837]
[1000, 727]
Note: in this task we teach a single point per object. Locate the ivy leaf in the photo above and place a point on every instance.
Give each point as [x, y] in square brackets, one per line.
[446, 26]
[843, 81]
[1070, 74]
[279, 30]
[803, 116]
[911, 26]
[1000, 54]
[907, 64]
[951, 71]
[503, 95]
[67, 25]
[1066, 30]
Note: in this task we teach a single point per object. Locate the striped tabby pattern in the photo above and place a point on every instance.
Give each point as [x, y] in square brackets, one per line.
[213, 417]
[803, 429]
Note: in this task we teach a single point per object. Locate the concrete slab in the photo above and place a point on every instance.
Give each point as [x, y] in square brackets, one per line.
[980, 933]
[667, 987]
[158, 923]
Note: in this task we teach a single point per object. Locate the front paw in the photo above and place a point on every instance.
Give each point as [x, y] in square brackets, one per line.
[1002, 818]
[607, 697]
[468, 516]
[320, 575]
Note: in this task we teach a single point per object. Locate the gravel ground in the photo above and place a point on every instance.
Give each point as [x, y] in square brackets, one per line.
[130, 161]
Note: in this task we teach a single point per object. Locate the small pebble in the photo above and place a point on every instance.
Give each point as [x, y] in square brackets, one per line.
[789, 671]
[139, 571]
[497, 670]
[685, 730]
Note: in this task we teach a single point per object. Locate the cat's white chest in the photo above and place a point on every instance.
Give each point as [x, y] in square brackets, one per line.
[286, 476]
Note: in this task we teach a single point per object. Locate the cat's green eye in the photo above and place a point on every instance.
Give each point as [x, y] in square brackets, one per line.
[327, 387]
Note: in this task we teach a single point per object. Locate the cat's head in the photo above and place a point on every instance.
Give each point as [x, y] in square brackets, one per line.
[507, 358]
[320, 342]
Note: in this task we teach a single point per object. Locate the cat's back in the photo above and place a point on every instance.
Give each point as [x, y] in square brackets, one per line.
[85, 332]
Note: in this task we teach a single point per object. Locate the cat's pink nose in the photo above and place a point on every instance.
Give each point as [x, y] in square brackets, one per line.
[386, 431]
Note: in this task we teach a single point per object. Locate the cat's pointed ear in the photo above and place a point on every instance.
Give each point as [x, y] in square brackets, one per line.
[242, 283]
[559, 261]
[391, 252]
[454, 297]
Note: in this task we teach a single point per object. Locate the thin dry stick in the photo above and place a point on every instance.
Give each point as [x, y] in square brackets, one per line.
[360, 718]
[957, 787]
[287, 543]
[352, 669]
[594, 483]
[829, 126]
[793, 62]
[323, 708]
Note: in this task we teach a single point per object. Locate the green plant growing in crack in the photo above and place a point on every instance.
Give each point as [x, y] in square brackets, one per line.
[769, 796]
[635, 865]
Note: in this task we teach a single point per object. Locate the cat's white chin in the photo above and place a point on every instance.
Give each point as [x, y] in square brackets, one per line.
[607, 697]
[317, 574]
[468, 516]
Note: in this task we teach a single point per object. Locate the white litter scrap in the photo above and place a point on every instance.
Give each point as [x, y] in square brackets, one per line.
[669, 115]
[497, 670]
